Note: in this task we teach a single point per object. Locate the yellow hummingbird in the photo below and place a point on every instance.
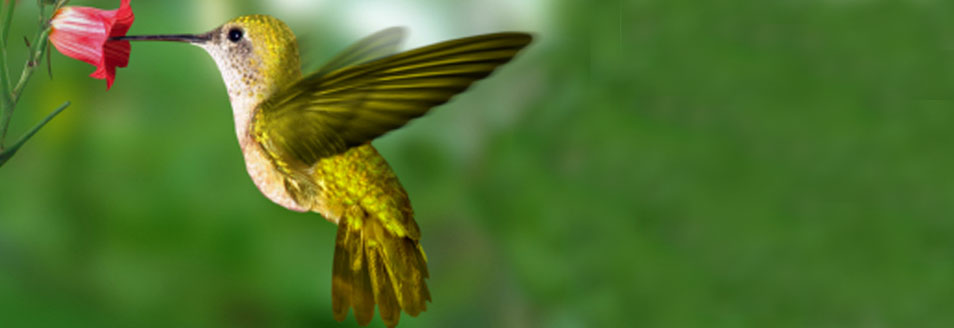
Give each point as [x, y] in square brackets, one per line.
[307, 141]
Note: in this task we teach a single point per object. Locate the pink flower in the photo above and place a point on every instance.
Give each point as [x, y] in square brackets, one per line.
[83, 33]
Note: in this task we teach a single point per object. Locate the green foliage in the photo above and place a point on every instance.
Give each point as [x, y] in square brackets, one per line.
[646, 163]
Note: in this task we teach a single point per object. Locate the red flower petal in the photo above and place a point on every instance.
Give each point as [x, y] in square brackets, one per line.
[83, 33]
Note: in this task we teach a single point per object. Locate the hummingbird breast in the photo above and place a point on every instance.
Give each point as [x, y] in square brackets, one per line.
[266, 177]
[245, 96]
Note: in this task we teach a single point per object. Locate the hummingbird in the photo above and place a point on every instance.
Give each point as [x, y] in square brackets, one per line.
[306, 141]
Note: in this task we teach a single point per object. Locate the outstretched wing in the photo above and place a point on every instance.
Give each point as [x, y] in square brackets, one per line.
[326, 113]
[377, 45]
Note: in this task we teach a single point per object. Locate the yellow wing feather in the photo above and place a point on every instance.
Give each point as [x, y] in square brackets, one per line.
[325, 114]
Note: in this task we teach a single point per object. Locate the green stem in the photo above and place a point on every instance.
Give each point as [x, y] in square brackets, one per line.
[6, 21]
[39, 46]
[9, 152]
[6, 105]
[11, 98]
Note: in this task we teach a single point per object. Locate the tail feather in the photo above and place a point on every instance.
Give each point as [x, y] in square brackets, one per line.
[384, 293]
[341, 282]
[373, 266]
[351, 282]
[408, 274]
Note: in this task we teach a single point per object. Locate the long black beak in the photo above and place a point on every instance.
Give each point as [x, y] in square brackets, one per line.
[188, 38]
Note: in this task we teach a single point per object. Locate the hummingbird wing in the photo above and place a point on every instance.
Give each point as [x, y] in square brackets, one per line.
[325, 114]
[374, 46]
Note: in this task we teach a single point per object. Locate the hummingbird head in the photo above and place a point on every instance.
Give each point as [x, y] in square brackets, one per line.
[256, 55]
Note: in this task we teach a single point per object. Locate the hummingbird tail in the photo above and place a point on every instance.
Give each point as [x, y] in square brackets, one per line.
[374, 266]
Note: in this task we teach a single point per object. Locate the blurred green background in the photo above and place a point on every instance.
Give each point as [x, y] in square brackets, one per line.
[644, 163]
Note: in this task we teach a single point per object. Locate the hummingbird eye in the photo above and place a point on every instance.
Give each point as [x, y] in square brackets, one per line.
[235, 34]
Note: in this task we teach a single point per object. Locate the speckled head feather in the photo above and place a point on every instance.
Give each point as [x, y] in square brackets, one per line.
[256, 55]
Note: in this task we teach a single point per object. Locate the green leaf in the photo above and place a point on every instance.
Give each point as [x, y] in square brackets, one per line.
[9, 152]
